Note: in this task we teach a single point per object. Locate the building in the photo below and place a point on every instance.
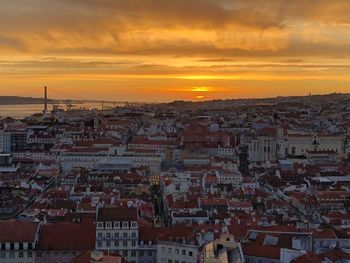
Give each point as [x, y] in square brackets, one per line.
[18, 240]
[117, 231]
[223, 250]
[61, 242]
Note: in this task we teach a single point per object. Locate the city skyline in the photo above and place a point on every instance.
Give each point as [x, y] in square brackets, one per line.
[157, 51]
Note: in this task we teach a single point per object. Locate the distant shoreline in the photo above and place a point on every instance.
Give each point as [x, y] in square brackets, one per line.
[16, 100]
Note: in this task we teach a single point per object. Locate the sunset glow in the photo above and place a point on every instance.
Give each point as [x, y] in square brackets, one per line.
[201, 89]
[167, 50]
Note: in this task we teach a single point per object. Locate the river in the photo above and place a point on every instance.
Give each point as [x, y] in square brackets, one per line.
[23, 110]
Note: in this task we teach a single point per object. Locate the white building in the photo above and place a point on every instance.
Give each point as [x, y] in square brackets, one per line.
[176, 252]
[117, 230]
[300, 144]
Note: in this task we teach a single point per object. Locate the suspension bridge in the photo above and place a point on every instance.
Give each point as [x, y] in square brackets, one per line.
[70, 100]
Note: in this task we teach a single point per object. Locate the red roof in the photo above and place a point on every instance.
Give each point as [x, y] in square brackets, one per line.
[86, 258]
[335, 255]
[117, 214]
[327, 233]
[255, 250]
[213, 202]
[308, 258]
[67, 236]
[17, 231]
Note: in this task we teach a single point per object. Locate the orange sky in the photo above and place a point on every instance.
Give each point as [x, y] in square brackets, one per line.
[162, 50]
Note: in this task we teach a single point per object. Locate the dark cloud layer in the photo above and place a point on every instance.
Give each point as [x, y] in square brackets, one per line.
[182, 27]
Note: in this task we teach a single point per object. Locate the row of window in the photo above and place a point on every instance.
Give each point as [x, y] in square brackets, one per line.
[116, 243]
[109, 225]
[176, 251]
[109, 235]
[20, 246]
[175, 261]
[135, 253]
[13, 254]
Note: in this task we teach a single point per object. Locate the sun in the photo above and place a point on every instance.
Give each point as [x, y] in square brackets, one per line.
[199, 97]
[200, 89]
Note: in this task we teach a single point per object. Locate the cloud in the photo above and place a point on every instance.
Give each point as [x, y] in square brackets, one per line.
[174, 43]
[182, 27]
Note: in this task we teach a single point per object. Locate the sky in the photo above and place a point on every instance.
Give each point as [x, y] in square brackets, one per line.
[165, 50]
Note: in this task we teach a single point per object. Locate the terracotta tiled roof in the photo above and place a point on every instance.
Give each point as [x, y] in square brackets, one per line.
[308, 258]
[67, 236]
[255, 250]
[117, 214]
[17, 231]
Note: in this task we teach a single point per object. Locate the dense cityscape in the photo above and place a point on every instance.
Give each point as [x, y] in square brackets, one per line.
[174, 131]
[253, 180]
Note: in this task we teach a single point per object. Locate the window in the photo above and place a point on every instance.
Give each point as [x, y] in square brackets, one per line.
[20, 254]
[12, 246]
[150, 253]
[108, 225]
[2, 254]
[20, 246]
[99, 235]
[3, 245]
[125, 235]
[170, 250]
[183, 252]
[29, 254]
[133, 243]
[99, 244]
[190, 253]
[125, 224]
[170, 261]
[141, 253]
[116, 243]
[12, 254]
[108, 243]
[116, 235]
[133, 253]
[125, 243]
[100, 225]
[116, 224]
[108, 235]
[133, 234]
[133, 224]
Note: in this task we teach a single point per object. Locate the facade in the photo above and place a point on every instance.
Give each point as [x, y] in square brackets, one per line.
[301, 144]
[117, 231]
[176, 252]
[18, 240]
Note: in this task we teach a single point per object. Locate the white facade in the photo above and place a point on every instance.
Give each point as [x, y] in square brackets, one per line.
[262, 149]
[300, 144]
[176, 252]
[121, 236]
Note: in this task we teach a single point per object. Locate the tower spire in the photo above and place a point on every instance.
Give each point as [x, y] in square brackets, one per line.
[45, 99]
